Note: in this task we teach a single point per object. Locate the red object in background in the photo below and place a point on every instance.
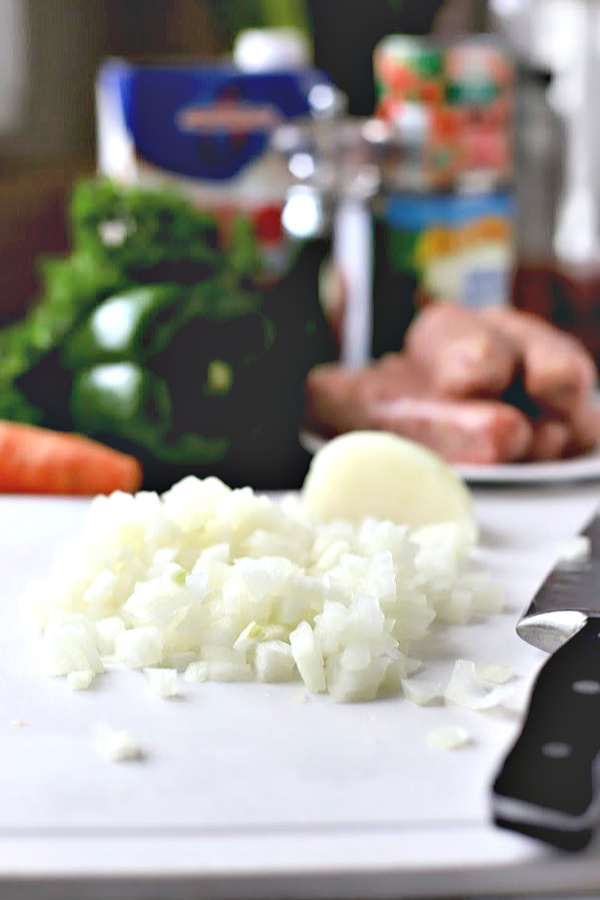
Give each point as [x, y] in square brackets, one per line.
[389, 108]
[484, 146]
[267, 224]
[399, 78]
[445, 123]
[532, 289]
[568, 298]
[432, 93]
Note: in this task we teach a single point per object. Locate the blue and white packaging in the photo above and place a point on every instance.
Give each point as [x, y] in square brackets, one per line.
[204, 127]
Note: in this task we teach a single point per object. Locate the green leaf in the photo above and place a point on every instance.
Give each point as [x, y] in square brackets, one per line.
[243, 255]
[149, 234]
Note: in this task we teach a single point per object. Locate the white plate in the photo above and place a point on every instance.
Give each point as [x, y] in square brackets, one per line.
[563, 471]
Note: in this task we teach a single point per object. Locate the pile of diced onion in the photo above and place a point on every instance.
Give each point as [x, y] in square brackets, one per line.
[208, 583]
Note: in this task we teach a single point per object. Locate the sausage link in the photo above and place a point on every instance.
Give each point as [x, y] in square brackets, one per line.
[550, 440]
[584, 420]
[558, 371]
[463, 356]
[478, 432]
[393, 395]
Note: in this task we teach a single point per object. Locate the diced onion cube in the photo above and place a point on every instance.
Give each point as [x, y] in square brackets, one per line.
[117, 745]
[80, 681]
[218, 670]
[107, 630]
[273, 661]
[466, 689]
[138, 648]
[421, 692]
[162, 682]
[308, 658]
[451, 737]
[495, 673]
[70, 646]
[575, 550]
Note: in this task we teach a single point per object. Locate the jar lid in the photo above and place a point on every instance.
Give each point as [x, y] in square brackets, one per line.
[271, 49]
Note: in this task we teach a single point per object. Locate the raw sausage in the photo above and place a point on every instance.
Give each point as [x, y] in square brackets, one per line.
[584, 421]
[487, 387]
[551, 439]
[462, 355]
[462, 431]
[558, 371]
[393, 395]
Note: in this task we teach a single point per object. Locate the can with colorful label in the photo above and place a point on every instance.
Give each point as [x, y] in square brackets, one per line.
[444, 220]
[407, 70]
[461, 93]
[449, 247]
[479, 94]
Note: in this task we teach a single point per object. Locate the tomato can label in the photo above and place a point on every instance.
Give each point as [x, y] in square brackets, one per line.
[462, 93]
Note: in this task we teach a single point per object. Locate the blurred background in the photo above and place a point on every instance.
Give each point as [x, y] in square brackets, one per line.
[466, 155]
[51, 50]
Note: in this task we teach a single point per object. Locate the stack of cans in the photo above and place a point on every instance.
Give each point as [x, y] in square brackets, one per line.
[444, 219]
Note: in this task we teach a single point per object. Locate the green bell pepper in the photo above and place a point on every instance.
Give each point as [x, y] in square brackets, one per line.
[132, 325]
[171, 372]
[155, 338]
[121, 400]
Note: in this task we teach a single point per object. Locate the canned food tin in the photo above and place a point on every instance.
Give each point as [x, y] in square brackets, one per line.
[479, 92]
[478, 73]
[406, 70]
[419, 151]
[462, 96]
[439, 247]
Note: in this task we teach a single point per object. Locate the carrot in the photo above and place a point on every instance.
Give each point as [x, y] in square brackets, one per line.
[35, 460]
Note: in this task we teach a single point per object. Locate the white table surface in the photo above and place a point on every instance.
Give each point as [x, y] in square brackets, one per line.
[259, 791]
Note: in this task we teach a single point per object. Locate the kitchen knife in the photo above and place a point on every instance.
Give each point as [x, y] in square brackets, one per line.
[548, 786]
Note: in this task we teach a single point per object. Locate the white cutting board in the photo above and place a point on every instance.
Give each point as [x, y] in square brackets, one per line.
[264, 791]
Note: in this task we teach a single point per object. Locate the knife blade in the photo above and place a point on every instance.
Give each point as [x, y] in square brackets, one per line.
[548, 786]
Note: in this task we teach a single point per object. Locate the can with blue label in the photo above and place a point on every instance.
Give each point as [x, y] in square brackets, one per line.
[444, 221]
[449, 247]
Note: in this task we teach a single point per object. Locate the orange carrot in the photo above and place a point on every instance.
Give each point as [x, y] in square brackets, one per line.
[35, 460]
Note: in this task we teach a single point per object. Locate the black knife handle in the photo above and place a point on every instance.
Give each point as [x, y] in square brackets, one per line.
[546, 787]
